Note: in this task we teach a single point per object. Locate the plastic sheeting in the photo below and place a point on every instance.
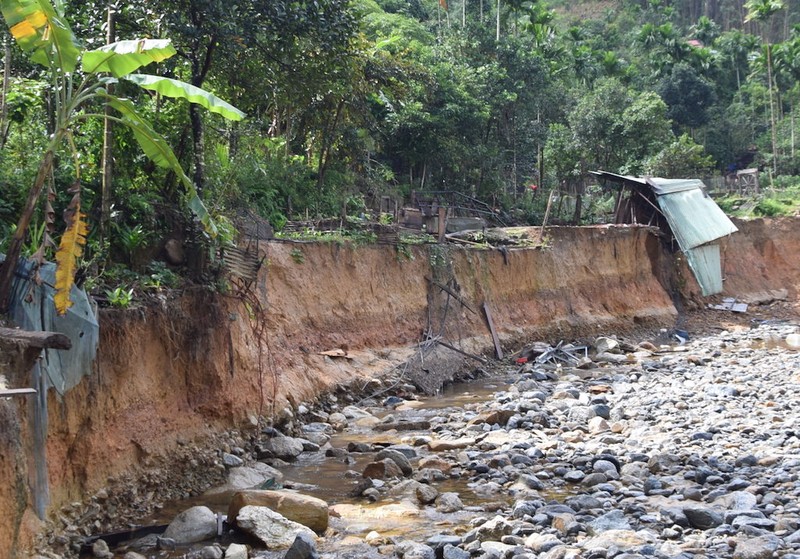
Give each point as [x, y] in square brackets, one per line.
[32, 308]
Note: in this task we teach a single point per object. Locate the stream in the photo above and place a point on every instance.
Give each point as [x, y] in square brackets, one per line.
[333, 480]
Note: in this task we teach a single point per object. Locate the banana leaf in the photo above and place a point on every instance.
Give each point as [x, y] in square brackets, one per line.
[43, 33]
[182, 90]
[158, 150]
[123, 57]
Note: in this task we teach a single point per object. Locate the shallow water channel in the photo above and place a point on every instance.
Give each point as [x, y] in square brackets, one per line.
[334, 478]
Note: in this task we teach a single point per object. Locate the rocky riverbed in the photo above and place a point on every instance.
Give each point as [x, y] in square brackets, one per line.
[638, 450]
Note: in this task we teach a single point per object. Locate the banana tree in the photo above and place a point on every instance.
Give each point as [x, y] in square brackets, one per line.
[79, 82]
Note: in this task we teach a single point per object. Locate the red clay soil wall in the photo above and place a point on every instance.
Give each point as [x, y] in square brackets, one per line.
[168, 377]
[760, 262]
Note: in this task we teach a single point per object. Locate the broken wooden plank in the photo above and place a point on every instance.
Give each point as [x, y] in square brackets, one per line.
[442, 224]
[451, 237]
[546, 215]
[41, 340]
[498, 350]
[16, 392]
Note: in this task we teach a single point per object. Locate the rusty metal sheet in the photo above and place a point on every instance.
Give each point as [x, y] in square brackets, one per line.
[241, 263]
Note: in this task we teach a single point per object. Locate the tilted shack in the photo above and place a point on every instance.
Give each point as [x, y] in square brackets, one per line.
[686, 214]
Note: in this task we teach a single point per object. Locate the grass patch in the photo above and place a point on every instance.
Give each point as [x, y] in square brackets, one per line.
[768, 204]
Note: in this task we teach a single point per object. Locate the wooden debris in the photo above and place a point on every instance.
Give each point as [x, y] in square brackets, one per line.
[41, 340]
[497, 348]
[242, 263]
[448, 346]
[16, 392]
[453, 294]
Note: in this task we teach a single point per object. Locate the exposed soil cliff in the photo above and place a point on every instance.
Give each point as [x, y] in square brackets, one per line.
[168, 378]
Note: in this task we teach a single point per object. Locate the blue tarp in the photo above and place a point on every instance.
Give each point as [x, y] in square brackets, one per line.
[32, 308]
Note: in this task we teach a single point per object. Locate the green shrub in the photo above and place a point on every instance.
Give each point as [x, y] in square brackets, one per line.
[771, 207]
[730, 204]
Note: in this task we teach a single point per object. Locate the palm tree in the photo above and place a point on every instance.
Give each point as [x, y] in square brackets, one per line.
[761, 11]
[705, 30]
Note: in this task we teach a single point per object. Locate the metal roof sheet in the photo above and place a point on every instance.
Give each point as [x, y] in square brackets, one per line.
[694, 217]
[668, 186]
[706, 265]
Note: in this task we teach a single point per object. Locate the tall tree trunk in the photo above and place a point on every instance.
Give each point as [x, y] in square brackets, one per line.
[498, 21]
[199, 175]
[233, 141]
[327, 142]
[576, 217]
[18, 238]
[791, 128]
[773, 124]
[108, 138]
[200, 67]
[4, 125]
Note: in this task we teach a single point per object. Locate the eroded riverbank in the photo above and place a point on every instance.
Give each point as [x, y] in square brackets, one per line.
[657, 451]
[177, 383]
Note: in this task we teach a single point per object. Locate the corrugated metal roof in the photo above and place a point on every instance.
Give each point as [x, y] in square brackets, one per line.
[706, 265]
[669, 186]
[693, 216]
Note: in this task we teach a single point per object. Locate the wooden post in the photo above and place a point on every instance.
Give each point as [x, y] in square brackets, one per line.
[498, 350]
[546, 215]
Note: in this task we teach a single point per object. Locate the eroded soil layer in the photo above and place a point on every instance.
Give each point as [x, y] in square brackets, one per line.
[169, 378]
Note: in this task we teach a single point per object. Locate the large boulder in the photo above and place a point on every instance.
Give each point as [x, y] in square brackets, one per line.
[193, 525]
[398, 458]
[383, 469]
[285, 448]
[248, 477]
[303, 509]
[273, 529]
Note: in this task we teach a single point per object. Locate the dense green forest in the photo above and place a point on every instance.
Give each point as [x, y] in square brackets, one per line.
[347, 101]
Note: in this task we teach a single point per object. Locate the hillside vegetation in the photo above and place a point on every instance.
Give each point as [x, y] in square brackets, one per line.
[348, 101]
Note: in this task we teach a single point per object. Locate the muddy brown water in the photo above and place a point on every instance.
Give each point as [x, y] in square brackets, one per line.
[332, 479]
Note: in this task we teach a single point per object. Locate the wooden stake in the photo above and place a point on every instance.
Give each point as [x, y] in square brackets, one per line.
[546, 215]
[498, 350]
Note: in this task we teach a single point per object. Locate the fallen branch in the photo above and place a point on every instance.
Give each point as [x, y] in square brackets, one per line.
[470, 355]
[451, 292]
